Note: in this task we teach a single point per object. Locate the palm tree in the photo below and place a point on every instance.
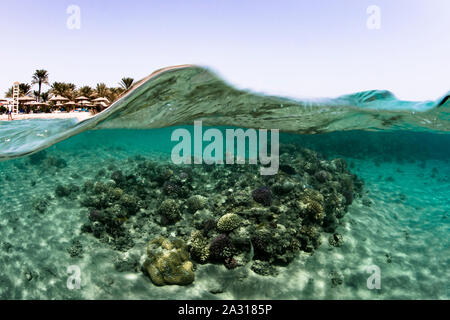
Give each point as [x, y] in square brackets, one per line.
[58, 88]
[126, 83]
[37, 95]
[9, 93]
[45, 96]
[40, 77]
[115, 93]
[101, 90]
[66, 90]
[24, 89]
[85, 91]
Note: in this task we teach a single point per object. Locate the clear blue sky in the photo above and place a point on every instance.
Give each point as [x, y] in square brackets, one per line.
[296, 48]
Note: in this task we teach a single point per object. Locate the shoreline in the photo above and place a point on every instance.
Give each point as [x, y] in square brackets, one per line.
[80, 116]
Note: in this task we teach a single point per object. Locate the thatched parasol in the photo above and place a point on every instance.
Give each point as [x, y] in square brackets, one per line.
[26, 98]
[102, 104]
[58, 99]
[102, 99]
[35, 103]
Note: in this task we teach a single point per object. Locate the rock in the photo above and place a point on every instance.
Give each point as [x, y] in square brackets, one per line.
[41, 204]
[7, 246]
[321, 176]
[287, 169]
[55, 162]
[366, 202]
[28, 275]
[126, 263]
[284, 187]
[336, 278]
[336, 240]
[168, 262]
[264, 268]
[76, 249]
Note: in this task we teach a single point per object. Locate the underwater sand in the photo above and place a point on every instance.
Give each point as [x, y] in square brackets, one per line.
[401, 225]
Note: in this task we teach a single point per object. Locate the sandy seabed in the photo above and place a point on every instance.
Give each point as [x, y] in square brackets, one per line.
[402, 227]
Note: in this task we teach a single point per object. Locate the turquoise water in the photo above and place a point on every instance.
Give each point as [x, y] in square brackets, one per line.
[363, 181]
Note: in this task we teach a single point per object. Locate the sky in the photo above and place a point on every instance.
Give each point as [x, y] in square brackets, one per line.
[293, 48]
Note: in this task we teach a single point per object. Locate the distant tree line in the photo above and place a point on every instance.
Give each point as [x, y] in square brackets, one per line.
[67, 90]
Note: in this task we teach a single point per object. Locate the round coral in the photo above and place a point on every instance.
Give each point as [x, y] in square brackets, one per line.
[263, 195]
[220, 247]
[228, 222]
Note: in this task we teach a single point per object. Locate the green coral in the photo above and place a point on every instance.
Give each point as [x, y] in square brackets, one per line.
[228, 222]
[170, 211]
[195, 203]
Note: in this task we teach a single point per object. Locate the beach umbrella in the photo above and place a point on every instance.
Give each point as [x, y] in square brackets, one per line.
[82, 98]
[85, 103]
[35, 103]
[102, 99]
[70, 104]
[26, 98]
[102, 104]
[58, 99]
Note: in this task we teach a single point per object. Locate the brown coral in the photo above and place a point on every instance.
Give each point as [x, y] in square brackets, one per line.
[168, 262]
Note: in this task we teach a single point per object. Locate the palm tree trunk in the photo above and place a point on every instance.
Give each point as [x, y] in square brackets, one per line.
[39, 98]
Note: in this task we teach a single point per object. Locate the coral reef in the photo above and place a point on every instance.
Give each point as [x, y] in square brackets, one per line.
[245, 220]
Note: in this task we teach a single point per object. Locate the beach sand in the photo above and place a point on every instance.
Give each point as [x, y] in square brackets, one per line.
[62, 115]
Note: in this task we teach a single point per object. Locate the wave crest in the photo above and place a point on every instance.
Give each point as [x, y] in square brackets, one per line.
[179, 95]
